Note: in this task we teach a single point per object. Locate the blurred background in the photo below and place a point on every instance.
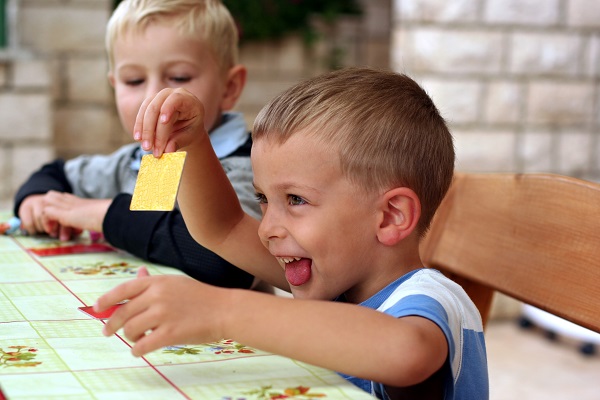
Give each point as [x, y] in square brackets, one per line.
[517, 80]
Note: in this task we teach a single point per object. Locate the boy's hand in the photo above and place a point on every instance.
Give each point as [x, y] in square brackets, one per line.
[169, 121]
[31, 214]
[65, 215]
[164, 310]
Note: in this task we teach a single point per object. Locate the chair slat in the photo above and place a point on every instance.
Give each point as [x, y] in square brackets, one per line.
[534, 237]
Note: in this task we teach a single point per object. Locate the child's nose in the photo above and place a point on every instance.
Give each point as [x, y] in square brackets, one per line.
[153, 87]
[270, 227]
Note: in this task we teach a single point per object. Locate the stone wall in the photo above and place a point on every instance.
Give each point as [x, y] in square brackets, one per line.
[54, 95]
[55, 100]
[517, 80]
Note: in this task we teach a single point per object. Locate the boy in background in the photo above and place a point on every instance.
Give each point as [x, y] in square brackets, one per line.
[152, 45]
[349, 169]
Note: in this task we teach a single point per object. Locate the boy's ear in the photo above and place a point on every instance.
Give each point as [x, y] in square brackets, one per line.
[236, 80]
[400, 212]
[111, 79]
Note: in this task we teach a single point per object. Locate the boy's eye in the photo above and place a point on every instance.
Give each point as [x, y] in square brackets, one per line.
[180, 79]
[134, 82]
[261, 198]
[295, 200]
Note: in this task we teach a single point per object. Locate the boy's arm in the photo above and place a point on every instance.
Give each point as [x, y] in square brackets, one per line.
[346, 338]
[50, 176]
[162, 237]
[215, 218]
[174, 120]
[29, 200]
[74, 195]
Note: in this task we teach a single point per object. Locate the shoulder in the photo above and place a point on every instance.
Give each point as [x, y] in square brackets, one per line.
[441, 295]
[125, 152]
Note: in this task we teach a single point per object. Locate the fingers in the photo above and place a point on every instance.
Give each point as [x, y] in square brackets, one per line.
[140, 317]
[119, 294]
[30, 213]
[132, 317]
[162, 119]
[67, 233]
[72, 214]
[138, 126]
[147, 120]
[146, 123]
[142, 272]
[50, 216]
[154, 340]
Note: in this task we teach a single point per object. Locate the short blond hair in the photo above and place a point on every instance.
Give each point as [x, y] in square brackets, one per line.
[385, 127]
[207, 20]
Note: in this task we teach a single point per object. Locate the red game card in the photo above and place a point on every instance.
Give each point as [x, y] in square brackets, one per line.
[72, 249]
[89, 310]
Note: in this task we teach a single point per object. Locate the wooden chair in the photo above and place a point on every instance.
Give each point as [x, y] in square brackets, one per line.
[534, 237]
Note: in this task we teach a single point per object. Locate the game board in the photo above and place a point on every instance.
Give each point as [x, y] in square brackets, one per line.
[50, 349]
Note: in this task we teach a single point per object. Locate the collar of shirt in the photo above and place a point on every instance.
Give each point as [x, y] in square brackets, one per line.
[225, 139]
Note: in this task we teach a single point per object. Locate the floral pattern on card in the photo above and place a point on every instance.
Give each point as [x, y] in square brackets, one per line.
[18, 356]
[268, 393]
[225, 346]
[101, 268]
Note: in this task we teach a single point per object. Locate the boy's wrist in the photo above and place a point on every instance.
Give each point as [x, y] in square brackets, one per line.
[228, 320]
[198, 144]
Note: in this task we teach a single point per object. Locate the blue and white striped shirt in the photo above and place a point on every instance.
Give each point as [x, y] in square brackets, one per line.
[429, 294]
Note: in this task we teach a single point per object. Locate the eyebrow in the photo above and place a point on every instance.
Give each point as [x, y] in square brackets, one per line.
[288, 186]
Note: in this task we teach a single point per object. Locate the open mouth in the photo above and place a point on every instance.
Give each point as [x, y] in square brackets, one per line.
[297, 270]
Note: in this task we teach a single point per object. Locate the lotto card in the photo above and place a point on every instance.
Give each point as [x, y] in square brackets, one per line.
[106, 314]
[158, 182]
[72, 249]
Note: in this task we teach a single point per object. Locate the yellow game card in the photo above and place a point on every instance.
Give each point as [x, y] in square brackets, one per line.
[157, 182]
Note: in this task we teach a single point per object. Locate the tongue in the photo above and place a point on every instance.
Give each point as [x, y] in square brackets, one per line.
[298, 272]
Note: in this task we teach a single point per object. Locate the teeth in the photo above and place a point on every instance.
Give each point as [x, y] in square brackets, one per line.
[287, 260]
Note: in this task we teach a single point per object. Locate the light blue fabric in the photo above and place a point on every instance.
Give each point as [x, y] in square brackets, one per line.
[230, 135]
[225, 139]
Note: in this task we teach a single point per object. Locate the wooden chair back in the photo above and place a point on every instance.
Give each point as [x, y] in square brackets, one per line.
[534, 237]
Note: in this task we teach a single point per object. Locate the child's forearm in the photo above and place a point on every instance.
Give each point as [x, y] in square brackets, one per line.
[342, 337]
[215, 219]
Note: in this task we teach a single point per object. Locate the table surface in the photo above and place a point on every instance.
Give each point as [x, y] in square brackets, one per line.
[50, 349]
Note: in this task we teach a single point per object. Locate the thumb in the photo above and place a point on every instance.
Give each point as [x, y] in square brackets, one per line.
[142, 272]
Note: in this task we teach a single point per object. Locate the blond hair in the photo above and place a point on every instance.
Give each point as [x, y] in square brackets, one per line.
[386, 128]
[206, 20]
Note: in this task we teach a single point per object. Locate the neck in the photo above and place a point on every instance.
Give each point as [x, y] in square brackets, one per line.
[389, 264]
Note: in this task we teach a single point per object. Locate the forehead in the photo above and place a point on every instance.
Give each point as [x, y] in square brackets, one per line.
[158, 36]
[160, 46]
[268, 147]
[304, 167]
[301, 157]
[153, 33]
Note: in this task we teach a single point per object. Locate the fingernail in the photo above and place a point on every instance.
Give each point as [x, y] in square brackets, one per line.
[146, 145]
[163, 118]
[137, 135]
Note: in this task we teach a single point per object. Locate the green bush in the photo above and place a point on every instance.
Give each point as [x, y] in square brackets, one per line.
[271, 19]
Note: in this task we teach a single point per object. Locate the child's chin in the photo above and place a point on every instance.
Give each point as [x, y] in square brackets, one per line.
[308, 292]
[300, 292]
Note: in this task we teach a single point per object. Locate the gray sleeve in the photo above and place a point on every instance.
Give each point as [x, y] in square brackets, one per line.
[102, 176]
[239, 172]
